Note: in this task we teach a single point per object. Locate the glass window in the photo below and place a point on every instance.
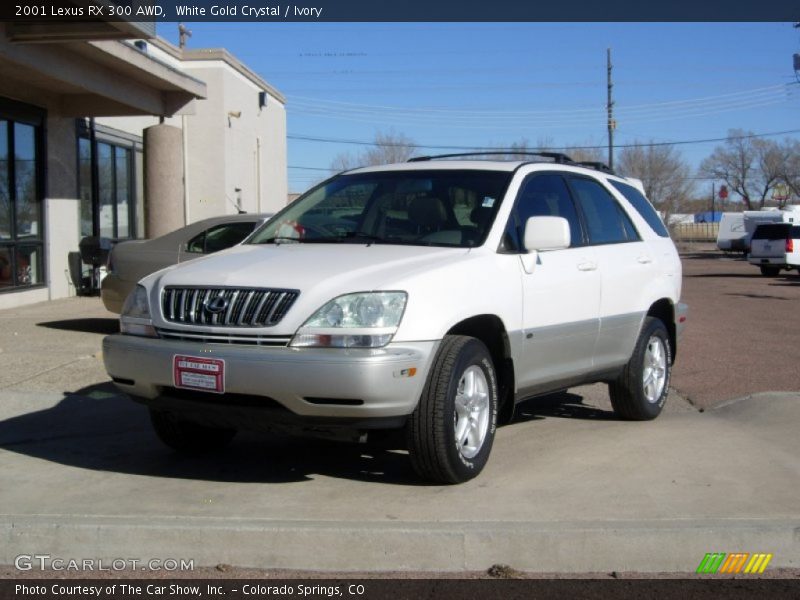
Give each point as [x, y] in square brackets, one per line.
[107, 207]
[28, 206]
[772, 232]
[85, 185]
[225, 236]
[6, 269]
[29, 265]
[5, 186]
[606, 222]
[21, 224]
[105, 189]
[123, 196]
[220, 237]
[426, 208]
[546, 195]
[642, 206]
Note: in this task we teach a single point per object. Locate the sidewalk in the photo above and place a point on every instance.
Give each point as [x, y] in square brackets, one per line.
[567, 489]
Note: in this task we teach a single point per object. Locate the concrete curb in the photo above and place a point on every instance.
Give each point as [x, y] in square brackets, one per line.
[644, 546]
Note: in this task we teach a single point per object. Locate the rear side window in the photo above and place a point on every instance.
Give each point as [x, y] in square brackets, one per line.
[606, 222]
[773, 231]
[642, 206]
[220, 237]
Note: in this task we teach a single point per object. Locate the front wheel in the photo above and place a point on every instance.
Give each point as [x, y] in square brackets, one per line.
[450, 433]
[188, 437]
[640, 391]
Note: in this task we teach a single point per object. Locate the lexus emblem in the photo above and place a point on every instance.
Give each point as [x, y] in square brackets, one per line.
[216, 305]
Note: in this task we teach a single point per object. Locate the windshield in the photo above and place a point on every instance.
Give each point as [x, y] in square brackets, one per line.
[453, 208]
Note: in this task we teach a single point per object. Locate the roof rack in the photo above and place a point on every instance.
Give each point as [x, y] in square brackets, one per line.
[556, 156]
[598, 166]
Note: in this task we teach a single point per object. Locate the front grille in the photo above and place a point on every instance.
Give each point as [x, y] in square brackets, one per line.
[204, 337]
[238, 307]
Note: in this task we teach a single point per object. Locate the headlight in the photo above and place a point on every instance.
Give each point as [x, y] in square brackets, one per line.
[135, 317]
[364, 320]
[136, 304]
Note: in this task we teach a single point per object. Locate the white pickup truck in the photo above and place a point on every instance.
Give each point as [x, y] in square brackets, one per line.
[430, 296]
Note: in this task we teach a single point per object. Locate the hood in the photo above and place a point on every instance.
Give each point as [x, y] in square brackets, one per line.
[319, 271]
[305, 266]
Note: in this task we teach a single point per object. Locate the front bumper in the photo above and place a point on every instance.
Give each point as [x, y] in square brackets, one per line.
[366, 383]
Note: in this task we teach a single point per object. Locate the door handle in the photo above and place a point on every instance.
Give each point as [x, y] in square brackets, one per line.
[644, 259]
[587, 266]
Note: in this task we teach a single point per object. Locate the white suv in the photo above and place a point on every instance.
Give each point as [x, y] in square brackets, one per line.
[430, 296]
[775, 247]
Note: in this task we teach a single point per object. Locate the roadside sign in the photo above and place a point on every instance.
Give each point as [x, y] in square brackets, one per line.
[780, 192]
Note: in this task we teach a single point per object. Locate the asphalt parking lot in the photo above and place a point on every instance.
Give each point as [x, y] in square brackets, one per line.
[568, 488]
[742, 329]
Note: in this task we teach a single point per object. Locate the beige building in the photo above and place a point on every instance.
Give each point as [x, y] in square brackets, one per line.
[110, 131]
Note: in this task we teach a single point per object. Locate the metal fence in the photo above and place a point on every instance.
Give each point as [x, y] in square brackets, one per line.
[695, 232]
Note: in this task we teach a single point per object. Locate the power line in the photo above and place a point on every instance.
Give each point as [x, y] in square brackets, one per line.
[307, 138]
[482, 114]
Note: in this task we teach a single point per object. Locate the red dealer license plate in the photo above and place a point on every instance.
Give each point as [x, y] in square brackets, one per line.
[199, 373]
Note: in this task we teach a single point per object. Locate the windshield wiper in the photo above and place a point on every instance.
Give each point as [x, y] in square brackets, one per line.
[360, 235]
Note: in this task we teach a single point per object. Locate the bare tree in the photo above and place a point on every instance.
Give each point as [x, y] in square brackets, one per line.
[388, 147]
[663, 172]
[751, 167]
[770, 162]
[521, 149]
[734, 163]
[584, 154]
[790, 170]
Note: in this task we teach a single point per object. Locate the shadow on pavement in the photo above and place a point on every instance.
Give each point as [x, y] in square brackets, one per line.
[711, 256]
[563, 405]
[757, 296]
[88, 325]
[99, 429]
[788, 281]
[754, 275]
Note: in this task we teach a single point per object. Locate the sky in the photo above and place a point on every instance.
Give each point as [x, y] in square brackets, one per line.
[492, 84]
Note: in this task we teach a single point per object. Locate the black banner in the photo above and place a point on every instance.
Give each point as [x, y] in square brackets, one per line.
[396, 589]
[405, 11]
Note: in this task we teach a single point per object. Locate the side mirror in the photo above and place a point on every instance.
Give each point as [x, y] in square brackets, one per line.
[546, 233]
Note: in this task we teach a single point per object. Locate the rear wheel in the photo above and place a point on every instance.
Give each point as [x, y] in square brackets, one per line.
[640, 392]
[186, 436]
[450, 433]
[770, 271]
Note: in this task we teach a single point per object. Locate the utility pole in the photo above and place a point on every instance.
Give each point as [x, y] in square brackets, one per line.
[610, 107]
[713, 194]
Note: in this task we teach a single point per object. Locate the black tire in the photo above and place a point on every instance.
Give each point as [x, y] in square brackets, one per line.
[770, 271]
[629, 392]
[188, 437]
[431, 434]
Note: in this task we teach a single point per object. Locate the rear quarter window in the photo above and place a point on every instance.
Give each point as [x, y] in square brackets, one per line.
[642, 206]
